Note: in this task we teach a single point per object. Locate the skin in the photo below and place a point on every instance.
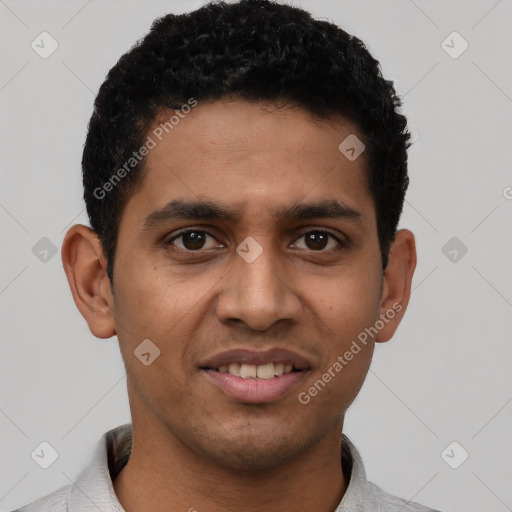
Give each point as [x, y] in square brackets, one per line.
[193, 446]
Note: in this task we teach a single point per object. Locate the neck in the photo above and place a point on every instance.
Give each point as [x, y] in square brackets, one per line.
[163, 474]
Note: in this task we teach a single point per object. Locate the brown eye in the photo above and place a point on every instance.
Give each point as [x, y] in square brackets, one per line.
[318, 240]
[192, 240]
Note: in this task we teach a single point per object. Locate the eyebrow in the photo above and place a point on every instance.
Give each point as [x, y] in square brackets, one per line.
[179, 209]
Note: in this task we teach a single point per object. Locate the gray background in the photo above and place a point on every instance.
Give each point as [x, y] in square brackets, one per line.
[446, 374]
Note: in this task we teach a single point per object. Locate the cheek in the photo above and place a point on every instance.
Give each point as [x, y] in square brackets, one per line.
[148, 306]
[348, 303]
[160, 302]
[345, 308]
[143, 294]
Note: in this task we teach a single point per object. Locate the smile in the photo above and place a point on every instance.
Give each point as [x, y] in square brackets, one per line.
[252, 371]
[254, 377]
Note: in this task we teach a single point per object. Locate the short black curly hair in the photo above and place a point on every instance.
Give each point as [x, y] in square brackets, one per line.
[254, 50]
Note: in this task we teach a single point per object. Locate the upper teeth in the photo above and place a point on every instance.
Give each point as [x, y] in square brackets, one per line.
[262, 371]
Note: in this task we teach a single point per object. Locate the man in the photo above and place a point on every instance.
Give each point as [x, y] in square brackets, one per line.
[244, 173]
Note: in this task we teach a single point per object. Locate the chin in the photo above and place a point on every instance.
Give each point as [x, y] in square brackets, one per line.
[254, 452]
[247, 458]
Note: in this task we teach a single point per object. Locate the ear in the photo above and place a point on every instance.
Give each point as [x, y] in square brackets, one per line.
[85, 267]
[396, 288]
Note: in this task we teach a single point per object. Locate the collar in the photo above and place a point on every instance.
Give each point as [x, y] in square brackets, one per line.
[93, 487]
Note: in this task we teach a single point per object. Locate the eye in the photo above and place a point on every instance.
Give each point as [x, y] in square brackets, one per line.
[192, 240]
[195, 240]
[318, 240]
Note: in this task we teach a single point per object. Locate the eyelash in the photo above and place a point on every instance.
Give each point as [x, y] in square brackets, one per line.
[342, 243]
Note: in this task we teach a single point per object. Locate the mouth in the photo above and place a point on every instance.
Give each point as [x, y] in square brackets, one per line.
[256, 377]
[253, 371]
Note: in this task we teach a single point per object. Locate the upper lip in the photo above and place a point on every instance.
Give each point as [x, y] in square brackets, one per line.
[244, 356]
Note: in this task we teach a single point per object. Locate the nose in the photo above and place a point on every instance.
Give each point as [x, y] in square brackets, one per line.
[257, 294]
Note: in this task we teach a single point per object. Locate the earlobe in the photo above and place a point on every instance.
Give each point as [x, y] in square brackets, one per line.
[85, 267]
[396, 288]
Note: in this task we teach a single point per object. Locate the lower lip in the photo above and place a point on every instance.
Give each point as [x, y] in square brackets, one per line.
[255, 391]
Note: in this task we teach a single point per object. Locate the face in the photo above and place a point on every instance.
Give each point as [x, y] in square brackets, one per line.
[251, 241]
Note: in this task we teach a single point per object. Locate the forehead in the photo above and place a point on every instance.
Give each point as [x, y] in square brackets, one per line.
[254, 157]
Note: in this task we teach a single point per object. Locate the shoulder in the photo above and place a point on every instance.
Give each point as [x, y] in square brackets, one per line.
[364, 495]
[391, 503]
[109, 455]
[57, 501]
